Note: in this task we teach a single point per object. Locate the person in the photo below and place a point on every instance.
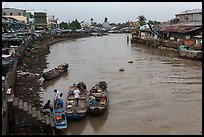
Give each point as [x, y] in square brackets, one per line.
[61, 101]
[56, 98]
[57, 94]
[76, 95]
[47, 108]
[9, 91]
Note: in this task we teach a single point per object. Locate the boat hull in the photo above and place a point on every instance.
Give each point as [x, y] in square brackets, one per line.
[53, 73]
[97, 110]
[59, 118]
[74, 112]
[76, 116]
[98, 99]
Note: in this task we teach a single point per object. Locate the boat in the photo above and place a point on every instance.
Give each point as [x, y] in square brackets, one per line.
[59, 117]
[55, 72]
[79, 112]
[98, 99]
[188, 52]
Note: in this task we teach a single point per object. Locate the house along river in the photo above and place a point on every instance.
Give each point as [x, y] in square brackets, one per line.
[158, 93]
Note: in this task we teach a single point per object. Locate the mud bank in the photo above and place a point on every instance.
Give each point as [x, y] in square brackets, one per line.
[29, 80]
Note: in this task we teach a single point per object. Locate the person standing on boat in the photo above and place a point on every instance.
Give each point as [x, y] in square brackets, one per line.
[61, 101]
[76, 95]
[57, 96]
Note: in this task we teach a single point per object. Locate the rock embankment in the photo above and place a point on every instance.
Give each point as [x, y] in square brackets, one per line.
[29, 78]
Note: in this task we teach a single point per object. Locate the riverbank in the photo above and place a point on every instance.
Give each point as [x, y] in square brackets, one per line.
[28, 80]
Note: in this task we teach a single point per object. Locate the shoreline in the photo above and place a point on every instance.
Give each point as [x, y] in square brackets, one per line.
[28, 80]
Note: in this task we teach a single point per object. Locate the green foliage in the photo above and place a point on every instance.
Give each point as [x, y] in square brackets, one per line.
[63, 25]
[75, 25]
[142, 20]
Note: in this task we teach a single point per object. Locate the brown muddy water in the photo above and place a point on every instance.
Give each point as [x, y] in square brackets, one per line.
[158, 93]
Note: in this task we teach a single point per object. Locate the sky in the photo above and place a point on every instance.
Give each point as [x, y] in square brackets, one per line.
[116, 12]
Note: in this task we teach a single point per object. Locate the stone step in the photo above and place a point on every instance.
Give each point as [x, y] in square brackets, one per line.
[15, 101]
[43, 119]
[47, 119]
[34, 114]
[38, 115]
[52, 122]
[25, 106]
[29, 109]
[20, 104]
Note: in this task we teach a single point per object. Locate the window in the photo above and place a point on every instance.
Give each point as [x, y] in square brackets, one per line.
[4, 13]
[19, 14]
[11, 14]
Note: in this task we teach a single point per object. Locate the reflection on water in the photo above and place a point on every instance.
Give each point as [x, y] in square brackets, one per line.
[97, 122]
[156, 94]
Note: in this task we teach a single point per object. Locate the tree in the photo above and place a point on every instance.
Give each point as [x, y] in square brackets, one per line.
[142, 20]
[75, 25]
[63, 25]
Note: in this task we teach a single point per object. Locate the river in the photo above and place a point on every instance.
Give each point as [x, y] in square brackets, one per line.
[156, 94]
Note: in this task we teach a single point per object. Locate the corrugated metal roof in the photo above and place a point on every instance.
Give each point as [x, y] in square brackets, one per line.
[179, 29]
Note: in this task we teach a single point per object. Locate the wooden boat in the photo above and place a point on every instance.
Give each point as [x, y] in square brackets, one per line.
[98, 98]
[186, 51]
[55, 71]
[73, 112]
[59, 117]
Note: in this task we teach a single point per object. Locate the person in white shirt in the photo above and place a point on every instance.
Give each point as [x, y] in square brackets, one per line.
[57, 94]
[76, 95]
[9, 91]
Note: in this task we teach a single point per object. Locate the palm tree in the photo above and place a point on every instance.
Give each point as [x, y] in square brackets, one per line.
[142, 20]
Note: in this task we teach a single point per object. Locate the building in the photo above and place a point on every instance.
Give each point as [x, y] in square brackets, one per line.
[40, 20]
[31, 20]
[190, 15]
[179, 29]
[106, 25]
[52, 22]
[17, 18]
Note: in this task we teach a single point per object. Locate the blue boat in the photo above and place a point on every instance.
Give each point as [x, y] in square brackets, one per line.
[74, 112]
[59, 117]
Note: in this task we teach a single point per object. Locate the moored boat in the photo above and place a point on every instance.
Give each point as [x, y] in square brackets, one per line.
[55, 71]
[74, 112]
[59, 117]
[98, 98]
[186, 51]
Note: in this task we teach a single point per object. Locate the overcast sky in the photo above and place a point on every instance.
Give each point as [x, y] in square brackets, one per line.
[116, 12]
